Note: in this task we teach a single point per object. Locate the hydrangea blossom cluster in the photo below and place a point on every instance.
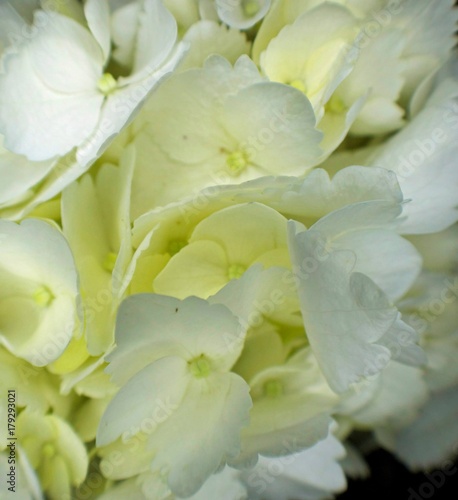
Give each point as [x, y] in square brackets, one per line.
[228, 241]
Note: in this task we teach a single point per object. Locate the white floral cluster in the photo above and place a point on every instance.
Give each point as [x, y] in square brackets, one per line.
[228, 240]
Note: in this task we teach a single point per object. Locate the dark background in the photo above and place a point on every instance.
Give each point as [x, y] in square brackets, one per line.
[390, 480]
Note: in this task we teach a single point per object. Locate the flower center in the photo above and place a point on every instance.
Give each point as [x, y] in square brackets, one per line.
[237, 161]
[200, 367]
[110, 261]
[48, 450]
[175, 246]
[43, 296]
[299, 85]
[106, 83]
[235, 271]
[273, 389]
[335, 105]
[250, 7]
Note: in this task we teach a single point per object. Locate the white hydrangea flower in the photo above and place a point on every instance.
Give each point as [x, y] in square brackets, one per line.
[39, 296]
[199, 246]
[422, 155]
[54, 450]
[315, 54]
[180, 351]
[96, 222]
[402, 44]
[71, 101]
[248, 127]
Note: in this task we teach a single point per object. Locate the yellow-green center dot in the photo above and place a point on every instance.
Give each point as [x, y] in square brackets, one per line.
[235, 271]
[48, 450]
[200, 367]
[273, 389]
[299, 85]
[175, 246]
[250, 7]
[43, 296]
[237, 161]
[335, 105]
[106, 83]
[110, 261]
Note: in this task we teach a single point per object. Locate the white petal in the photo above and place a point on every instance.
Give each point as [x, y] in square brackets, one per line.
[47, 260]
[208, 37]
[277, 128]
[354, 465]
[423, 157]
[71, 449]
[318, 466]
[234, 228]
[234, 13]
[431, 439]
[204, 433]
[344, 312]
[50, 103]
[156, 36]
[196, 95]
[64, 55]
[11, 24]
[225, 485]
[200, 269]
[19, 174]
[335, 126]
[295, 418]
[124, 25]
[97, 14]
[152, 395]
[367, 230]
[316, 195]
[152, 326]
[394, 401]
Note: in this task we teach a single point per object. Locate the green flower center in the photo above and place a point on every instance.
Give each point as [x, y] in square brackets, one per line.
[106, 83]
[250, 7]
[48, 450]
[273, 389]
[335, 105]
[43, 296]
[237, 161]
[200, 367]
[235, 271]
[175, 246]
